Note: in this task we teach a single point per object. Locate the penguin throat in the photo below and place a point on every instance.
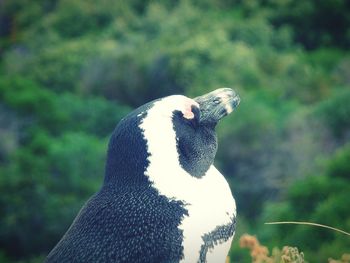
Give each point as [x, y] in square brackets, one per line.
[196, 152]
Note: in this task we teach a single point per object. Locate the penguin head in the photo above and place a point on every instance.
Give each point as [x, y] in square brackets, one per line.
[195, 131]
[168, 133]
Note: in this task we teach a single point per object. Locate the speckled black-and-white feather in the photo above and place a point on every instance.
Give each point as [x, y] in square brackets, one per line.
[162, 199]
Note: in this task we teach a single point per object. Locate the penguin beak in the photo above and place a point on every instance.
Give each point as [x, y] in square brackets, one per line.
[216, 105]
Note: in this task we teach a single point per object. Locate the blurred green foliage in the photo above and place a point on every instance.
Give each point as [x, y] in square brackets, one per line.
[70, 70]
[335, 113]
[322, 199]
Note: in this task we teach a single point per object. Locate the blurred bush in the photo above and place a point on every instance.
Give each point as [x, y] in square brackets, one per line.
[316, 198]
[335, 112]
[42, 182]
[315, 23]
[42, 189]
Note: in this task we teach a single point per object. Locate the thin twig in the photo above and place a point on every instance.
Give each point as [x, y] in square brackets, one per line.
[308, 223]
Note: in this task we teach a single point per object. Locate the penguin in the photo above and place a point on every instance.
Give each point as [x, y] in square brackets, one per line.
[162, 199]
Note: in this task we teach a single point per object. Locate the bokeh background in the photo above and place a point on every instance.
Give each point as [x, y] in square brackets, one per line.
[71, 69]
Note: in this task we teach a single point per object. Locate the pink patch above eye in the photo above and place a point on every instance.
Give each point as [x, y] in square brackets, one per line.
[187, 113]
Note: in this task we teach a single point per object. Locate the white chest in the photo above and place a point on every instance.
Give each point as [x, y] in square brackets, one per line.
[211, 205]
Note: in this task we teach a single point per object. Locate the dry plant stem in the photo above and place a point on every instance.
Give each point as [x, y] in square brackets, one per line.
[308, 223]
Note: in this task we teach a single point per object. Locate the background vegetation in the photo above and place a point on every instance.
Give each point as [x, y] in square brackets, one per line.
[69, 71]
